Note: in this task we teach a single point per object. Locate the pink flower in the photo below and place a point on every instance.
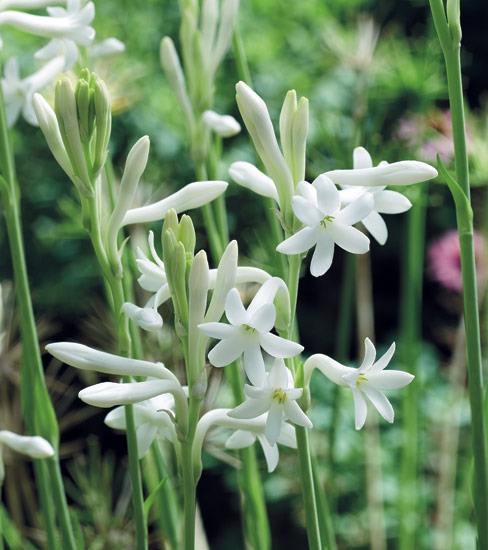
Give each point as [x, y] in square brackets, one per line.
[445, 260]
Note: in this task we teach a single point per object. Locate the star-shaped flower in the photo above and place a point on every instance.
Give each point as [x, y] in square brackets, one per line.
[369, 380]
[248, 332]
[318, 206]
[278, 397]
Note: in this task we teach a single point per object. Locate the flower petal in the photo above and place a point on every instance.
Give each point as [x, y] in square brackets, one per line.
[305, 211]
[361, 158]
[360, 408]
[380, 401]
[271, 453]
[240, 439]
[254, 364]
[234, 310]
[251, 408]
[226, 351]
[299, 242]
[328, 198]
[274, 422]
[264, 318]
[249, 176]
[145, 436]
[279, 347]
[349, 238]
[390, 379]
[219, 330]
[323, 255]
[391, 202]
[383, 360]
[376, 225]
[288, 436]
[278, 375]
[369, 355]
[356, 211]
[294, 413]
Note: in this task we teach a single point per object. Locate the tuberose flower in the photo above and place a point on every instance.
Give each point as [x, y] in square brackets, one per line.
[222, 125]
[248, 332]
[278, 397]
[33, 446]
[318, 206]
[370, 380]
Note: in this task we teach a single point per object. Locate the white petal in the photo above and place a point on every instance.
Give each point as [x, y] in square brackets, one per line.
[294, 413]
[109, 46]
[33, 446]
[223, 125]
[218, 330]
[390, 379]
[356, 211]
[264, 318]
[384, 359]
[369, 355]
[380, 402]
[279, 347]
[145, 317]
[299, 242]
[361, 158]
[288, 436]
[271, 453]
[328, 198]
[305, 211]
[350, 239]
[323, 255]
[360, 408]
[240, 439]
[251, 408]
[376, 225]
[115, 419]
[145, 436]
[254, 364]
[226, 351]
[252, 178]
[278, 376]
[274, 422]
[234, 310]
[307, 191]
[391, 202]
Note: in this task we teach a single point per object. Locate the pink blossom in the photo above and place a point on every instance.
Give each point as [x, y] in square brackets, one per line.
[445, 260]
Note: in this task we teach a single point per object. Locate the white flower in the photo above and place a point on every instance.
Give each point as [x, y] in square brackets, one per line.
[277, 396]
[245, 438]
[109, 46]
[152, 418]
[68, 27]
[385, 201]
[369, 380]
[18, 93]
[33, 446]
[247, 175]
[318, 206]
[223, 125]
[248, 332]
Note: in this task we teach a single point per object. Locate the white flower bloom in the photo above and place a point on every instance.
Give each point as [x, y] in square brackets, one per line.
[247, 175]
[109, 46]
[278, 397]
[318, 206]
[18, 93]
[33, 446]
[145, 317]
[68, 27]
[248, 332]
[385, 201]
[191, 196]
[369, 380]
[245, 438]
[152, 418]
[223, 125]
[86, 358]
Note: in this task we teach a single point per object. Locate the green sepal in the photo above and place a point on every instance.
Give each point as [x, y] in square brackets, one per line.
[150, 499]
[464, 212]
[169, 245]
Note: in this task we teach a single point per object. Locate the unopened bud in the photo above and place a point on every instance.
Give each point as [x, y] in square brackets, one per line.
[186, 234]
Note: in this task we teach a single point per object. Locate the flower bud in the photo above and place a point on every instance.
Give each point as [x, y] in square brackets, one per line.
[103, 116]
[145, 317]
[35, 446]
[247, 175]
[299, 134]
[287, 114]
[86, 108]
[186, 234]
[222, 125]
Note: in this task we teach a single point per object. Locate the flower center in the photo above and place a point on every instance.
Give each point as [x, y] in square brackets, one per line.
[247, 328]
[327, 219]
[279, 395]
[360, 379]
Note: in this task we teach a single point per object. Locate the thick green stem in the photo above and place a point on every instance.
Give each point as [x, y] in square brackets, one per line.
[450, 43]
[189, 496]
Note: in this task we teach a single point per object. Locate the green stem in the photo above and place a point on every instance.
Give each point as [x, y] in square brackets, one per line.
[240, 57]
[47, 508]
[410, 330]
[326, 527]
[189, 496]
[451, 49]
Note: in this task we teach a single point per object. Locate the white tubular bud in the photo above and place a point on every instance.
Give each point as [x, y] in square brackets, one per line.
[287, 114]
[405, 172]
[223, 125]
[109, 46]
[35, 446]
[299, 134]
[191, 196]
[228, 15]
[145, 317]
[247, 175]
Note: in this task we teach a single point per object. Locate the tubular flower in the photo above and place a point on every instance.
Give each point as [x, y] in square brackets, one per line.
[248, 332]
[277, 396]
[385, 201]
[223, 125]
[318, 206]
[369, 380]
[33, 446]
[245, 438]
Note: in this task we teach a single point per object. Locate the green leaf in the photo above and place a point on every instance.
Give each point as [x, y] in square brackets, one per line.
[464, 212]
[150, 499]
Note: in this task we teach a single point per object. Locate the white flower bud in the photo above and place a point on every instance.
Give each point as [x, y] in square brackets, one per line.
[35, 447]
[110, 46]
[145, 317]
[223, 125]
[247, 175]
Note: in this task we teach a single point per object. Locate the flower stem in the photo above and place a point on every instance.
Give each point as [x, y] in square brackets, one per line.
[450, 44]
[42, 419]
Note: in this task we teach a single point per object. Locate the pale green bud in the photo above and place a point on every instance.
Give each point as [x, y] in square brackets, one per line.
[170, 222]
[103, 117]
[186, 234]
[86, 113]
[299, 136]
[286, 125]
[178, 277]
